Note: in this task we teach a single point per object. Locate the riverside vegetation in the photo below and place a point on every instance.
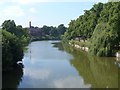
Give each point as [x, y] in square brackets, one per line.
[14, 39]
[101, 27]
[47, 32]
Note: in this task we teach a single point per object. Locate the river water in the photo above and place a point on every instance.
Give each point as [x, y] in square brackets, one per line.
[51, 64]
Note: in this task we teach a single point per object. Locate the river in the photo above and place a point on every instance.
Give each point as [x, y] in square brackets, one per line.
[51, 64]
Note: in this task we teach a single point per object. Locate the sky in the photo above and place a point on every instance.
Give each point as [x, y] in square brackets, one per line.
[44, 12]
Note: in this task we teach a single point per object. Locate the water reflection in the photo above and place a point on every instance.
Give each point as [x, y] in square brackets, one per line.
[38, 74]
[60, 66]
[45, 65]
[97, 72]
[71, 81]
[12, 78]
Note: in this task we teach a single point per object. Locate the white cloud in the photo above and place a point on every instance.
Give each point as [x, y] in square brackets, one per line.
[38, 1]
[14, 11]
[32, 10]
[70, 82]
[37, 73]
[30, 1]
[3, 1]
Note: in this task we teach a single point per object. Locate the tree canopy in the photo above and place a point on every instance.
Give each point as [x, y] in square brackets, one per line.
[47, 32]
[101, 25]
[14, 38]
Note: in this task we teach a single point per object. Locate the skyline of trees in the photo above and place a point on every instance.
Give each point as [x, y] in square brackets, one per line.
[101, 26]
[47, 32]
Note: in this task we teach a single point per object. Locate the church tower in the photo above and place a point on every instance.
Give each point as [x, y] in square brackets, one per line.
[30, 24]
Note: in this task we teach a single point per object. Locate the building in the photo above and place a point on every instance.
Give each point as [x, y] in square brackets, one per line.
[35, 31]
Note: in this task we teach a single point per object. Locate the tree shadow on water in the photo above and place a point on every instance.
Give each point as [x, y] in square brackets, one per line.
[12, 78]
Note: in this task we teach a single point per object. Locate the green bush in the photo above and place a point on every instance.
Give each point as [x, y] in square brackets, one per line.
[14, 39]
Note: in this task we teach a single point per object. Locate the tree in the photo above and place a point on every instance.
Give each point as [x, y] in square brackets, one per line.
[9, 25]
[101, 25]
[48, 32]
[14, 38]
[46, 29]
[53, 32]
[105, 40]
[61, 29]
[12, 49]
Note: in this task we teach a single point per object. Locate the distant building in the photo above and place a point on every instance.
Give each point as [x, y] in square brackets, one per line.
[30, 24]
[35, 31]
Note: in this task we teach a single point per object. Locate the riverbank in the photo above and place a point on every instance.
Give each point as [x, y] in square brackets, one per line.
[85, 47]
[44, 39]
[118, 54]
[79, 45]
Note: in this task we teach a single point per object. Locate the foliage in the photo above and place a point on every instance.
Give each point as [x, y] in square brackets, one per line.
[82, 44]
[101, 25]
[105, 40]
[47, 32]
[14, 38]
[85, 24]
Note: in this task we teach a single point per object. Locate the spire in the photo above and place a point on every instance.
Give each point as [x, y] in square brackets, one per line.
[30, 24]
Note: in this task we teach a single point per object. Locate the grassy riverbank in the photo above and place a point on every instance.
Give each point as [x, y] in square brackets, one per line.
[82, 44]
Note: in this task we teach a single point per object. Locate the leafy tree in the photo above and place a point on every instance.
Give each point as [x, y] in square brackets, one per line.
[12, 50]
[46, 29]
[10, 26]
[53, 32]
[14, 38]
[61, 29]
[48, 32]
[105, 40]
[101, 25]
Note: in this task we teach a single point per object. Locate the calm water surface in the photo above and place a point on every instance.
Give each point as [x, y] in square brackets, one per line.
[51, 64]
